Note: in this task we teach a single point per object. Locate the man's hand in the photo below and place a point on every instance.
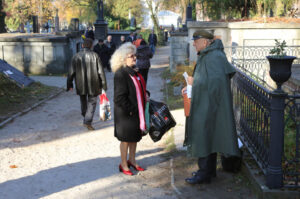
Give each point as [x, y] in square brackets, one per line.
[190, 80]
[70, 89]
[183, 91]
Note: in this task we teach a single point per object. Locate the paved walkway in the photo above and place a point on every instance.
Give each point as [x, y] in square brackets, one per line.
[47, 153]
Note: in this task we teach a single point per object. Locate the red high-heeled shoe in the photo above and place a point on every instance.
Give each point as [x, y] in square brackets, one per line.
[124, 171]
[138, 168]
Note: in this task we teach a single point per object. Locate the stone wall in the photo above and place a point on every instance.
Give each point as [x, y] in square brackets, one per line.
[247, 33]
[179, 51]
[40, 53]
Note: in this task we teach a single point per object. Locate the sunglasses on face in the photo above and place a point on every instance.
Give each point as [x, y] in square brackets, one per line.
[132, 56]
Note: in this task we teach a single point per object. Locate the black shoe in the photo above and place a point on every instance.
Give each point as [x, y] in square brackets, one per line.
[89, 127]
[213, 175]
[197, 180]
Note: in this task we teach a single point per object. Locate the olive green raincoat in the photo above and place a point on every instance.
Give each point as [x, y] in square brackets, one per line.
[211, 125]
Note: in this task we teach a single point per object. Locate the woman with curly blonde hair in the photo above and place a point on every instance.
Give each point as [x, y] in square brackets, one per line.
[129, 105]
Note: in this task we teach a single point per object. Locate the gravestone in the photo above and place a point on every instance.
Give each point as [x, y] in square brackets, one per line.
[133, 23]
[35, 25]
[74, 25]
[14, 74]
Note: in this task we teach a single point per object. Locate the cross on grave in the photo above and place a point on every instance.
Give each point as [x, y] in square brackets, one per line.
[28, 27]
[50, 26]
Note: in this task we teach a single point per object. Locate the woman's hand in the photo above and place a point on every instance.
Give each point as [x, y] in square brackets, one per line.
[183, 90]
[190, 80]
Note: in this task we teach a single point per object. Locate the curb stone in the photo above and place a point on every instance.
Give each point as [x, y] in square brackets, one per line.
[10, 119]
[258, 183]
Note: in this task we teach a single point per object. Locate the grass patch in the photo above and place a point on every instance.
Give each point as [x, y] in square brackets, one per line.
[175, 79]
[14, 99]
[170, 142]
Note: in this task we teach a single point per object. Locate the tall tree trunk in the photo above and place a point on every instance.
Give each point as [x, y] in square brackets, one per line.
[153, 15]
[2, 17]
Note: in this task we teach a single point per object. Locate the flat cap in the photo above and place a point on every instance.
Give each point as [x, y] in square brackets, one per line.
[202, 34]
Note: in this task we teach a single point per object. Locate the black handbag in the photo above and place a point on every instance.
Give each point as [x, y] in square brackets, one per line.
[161, 120]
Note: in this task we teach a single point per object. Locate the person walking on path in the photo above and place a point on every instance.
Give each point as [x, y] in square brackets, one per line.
[131, 37]
[210, 127]
[102, 51]
[122, 40]
[87, 70]
[143, 56]
[152, 40]
[129, 105]
[111, 49]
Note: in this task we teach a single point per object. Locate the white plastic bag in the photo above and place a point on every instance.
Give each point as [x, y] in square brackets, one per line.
[104, 108]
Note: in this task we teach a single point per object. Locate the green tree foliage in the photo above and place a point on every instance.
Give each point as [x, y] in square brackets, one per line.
[274, 7]
[117, 12]
[21, 11]
[228, 9]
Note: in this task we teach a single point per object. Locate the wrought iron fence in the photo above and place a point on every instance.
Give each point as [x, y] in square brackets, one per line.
[291, 154]
[252, 59]
[268, 122]
[252, 111]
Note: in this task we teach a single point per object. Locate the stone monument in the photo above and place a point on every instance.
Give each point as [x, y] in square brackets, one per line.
[74, 25]
[35, 25]
[100, 24]
[56, 21]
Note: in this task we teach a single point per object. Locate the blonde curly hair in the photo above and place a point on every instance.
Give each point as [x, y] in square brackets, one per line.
[118, 59]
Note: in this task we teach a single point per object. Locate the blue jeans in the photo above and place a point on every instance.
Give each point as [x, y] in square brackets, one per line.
[152, 48]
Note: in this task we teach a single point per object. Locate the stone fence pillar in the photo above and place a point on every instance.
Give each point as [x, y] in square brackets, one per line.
[179, 49]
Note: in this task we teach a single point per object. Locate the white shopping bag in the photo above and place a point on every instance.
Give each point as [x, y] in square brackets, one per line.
[104, 108]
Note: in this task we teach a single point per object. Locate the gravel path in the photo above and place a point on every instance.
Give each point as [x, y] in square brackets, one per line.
[56, 157]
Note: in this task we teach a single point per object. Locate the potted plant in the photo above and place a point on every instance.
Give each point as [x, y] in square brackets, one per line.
[280, 63]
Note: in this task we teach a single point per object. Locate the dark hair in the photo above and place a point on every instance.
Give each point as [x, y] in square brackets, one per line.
[100, 40]
[87, 43]
[143, 42]
[90, 34]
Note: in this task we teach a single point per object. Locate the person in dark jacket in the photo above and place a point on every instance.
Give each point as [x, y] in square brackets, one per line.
[143, 56]
[103, 52]
[111, 49]
[131, 37]
[129, 105]
[87, 70]
[122, 40]
[152, 40]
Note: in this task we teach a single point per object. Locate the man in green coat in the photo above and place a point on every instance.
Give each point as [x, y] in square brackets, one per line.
[210, 127]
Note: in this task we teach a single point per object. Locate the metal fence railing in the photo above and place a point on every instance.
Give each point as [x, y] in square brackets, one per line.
[268, 121]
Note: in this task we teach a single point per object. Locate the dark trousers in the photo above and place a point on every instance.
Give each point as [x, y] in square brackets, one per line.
[207, 166]
[144, 73]
[88, 107]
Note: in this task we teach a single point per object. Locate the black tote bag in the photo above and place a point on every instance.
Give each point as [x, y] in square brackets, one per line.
[161, 120]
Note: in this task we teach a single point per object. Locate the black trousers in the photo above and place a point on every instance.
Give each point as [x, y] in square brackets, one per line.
[144, 73]
[88, 107]
[207, 166]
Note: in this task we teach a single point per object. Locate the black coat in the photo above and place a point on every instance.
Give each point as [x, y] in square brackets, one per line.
[111, 47]
[88, 72]
[152, 39]
[143, 56]
[103, 53]
[126, 115]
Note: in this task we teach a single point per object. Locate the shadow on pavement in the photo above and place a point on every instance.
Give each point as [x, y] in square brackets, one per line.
[60, 178]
